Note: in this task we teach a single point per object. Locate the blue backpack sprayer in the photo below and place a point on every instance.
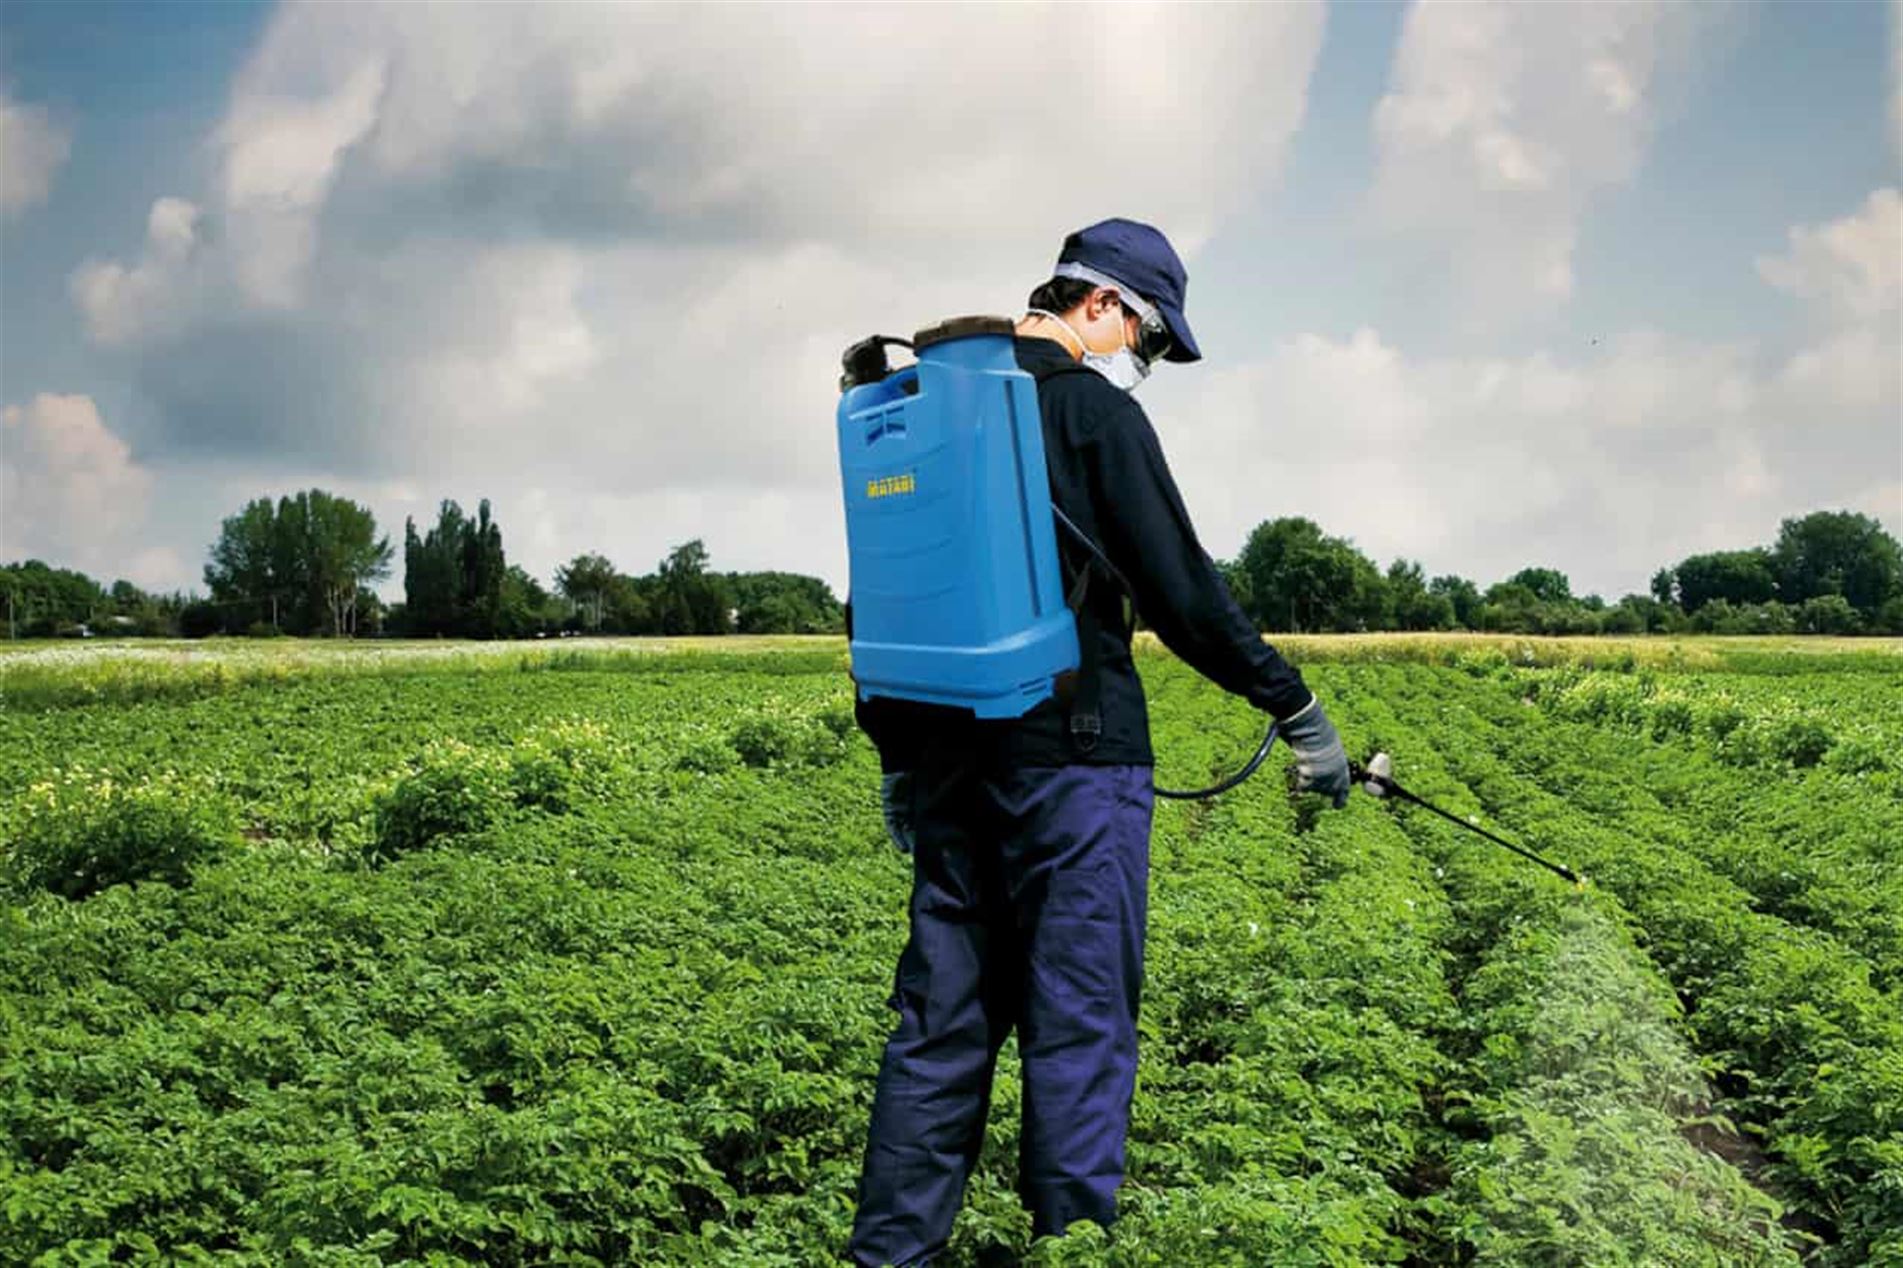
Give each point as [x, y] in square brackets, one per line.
[951, 536]
[957, 594]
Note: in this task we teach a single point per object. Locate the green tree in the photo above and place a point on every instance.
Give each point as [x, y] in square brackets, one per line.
[1414, 605]
[1299, 579]
[632, 606]
[243, 571]
[342, 551]
[585, 581]
[1462, 594]
[43, 599]
[479, 597]
[306, 558]
[1837, 552]
[693, 601]
[1622, 618]
[783, 603]
[1547, 585]
[431, 572]
[1508, 608]
[1637, 614]
[1737, 576]
[454, 576]
[525, 607]
[1538, 601]
[1236, 578]
[1828, 614]
[1665, 586]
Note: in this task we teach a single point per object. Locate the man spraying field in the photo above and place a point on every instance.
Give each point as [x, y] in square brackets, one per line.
[1028, 815]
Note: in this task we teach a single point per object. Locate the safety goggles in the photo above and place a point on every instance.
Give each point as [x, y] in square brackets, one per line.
[1153, 334]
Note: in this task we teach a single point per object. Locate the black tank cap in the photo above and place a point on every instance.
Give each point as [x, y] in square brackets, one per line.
[962, 328]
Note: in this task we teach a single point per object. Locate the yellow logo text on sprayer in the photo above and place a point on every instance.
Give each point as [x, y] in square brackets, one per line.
[892, 486]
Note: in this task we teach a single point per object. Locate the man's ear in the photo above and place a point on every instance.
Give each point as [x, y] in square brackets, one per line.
[1099, 302]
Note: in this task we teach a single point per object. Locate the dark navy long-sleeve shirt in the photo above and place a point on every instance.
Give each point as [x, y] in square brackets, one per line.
[1108, 475]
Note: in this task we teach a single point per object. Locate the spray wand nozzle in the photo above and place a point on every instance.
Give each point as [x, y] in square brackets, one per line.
[1377, 778]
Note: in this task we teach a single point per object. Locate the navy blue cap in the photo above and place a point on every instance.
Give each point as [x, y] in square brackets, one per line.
[1141, 258]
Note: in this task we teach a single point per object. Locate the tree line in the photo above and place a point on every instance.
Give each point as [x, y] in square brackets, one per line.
[309, 563]
[457, 581]
[1830, 572]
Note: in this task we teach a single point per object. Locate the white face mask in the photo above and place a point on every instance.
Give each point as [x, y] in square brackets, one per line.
[1124, 368]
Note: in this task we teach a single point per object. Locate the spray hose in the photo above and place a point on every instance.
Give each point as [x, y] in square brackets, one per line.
[1376, 777]
[1174, 794]
[1198, 794]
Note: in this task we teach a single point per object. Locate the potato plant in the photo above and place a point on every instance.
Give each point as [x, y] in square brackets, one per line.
[507, 957]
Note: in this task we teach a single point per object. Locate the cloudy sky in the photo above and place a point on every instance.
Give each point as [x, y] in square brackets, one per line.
[1484, 285]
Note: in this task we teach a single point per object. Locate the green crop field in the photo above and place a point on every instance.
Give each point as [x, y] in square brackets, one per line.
[549, 954]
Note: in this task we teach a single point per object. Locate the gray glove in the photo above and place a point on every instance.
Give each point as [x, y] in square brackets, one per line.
[1319, 757]
[895, 796]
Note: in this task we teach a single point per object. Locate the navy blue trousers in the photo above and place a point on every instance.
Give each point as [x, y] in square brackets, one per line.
[1029, 898]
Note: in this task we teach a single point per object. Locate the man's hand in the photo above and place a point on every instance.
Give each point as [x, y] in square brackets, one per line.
[1319, 757]
[895, 796]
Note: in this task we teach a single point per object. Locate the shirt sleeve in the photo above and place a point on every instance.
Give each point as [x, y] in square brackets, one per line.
[1148, 536]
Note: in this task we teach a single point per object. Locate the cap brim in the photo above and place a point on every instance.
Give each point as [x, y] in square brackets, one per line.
[1182, 343]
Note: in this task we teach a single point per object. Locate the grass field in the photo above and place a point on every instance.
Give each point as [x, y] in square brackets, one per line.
[577, 952]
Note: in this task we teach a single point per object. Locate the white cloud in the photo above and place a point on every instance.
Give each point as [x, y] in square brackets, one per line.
[119, 303]
[511, 248]
[850, 124]
[70, 491]
[33, 147]
[282, 153]
[543, 254]
[1502, 120]
[1607, 466]
[1480, 462]
[1853, 266]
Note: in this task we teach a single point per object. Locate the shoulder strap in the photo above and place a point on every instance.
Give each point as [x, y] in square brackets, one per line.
[1086, 722]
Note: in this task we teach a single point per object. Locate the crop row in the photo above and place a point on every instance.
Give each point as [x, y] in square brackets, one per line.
[1543, 1121]
[1816, 848]
[609, 1028]
[37, 677]
[1779, 725]
[1808, 1051]
[1820, 847]
[1571, 1089]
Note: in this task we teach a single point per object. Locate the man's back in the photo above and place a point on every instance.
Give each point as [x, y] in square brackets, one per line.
[1109, 479]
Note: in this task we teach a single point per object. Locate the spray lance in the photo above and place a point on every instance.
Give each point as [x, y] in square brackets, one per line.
[1377, 777]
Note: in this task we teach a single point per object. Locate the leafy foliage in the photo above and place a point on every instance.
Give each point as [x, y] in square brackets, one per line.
[1301, 579]
[305, 560]
[1735, 576]
[559, 765]
[456, 579]
[587, 581]
[452, 788]
[1839, 553]
[614, 991]
[78, 831]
